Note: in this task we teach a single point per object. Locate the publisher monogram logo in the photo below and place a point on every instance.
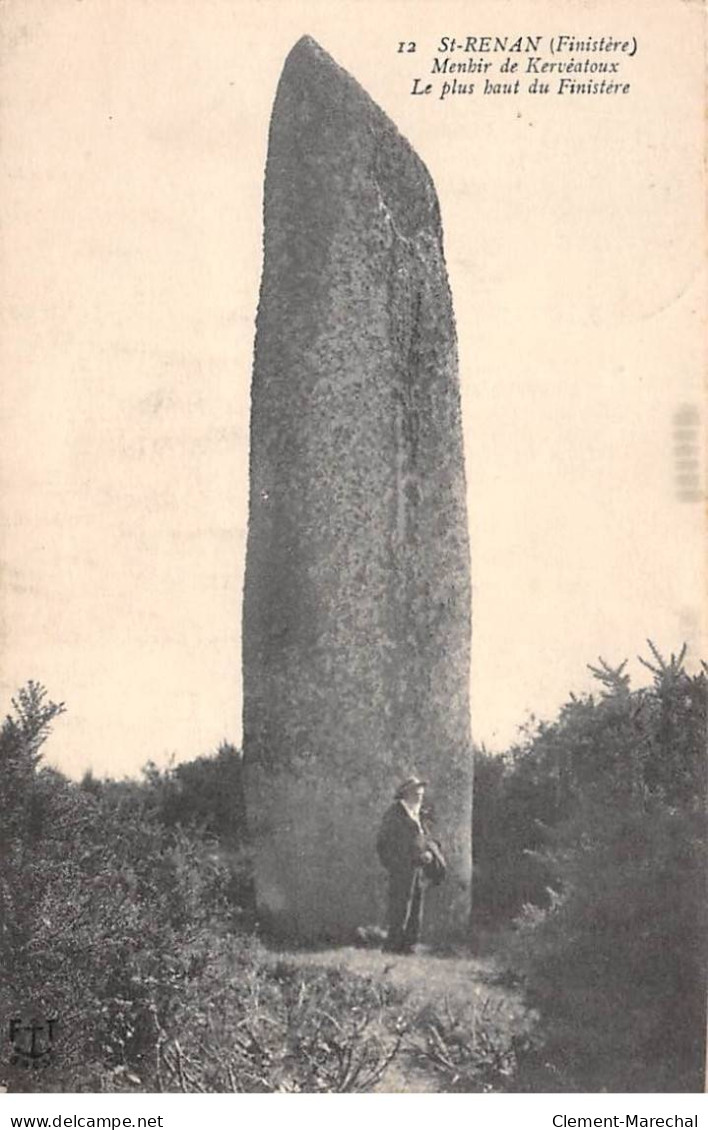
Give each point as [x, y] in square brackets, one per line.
[31, 1041]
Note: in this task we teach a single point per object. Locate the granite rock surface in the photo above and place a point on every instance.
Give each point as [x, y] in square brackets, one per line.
[357, 591]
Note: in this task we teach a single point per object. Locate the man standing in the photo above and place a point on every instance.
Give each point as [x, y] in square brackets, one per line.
[409, 856]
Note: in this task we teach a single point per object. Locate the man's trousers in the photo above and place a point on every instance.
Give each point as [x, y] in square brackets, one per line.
[405, 910]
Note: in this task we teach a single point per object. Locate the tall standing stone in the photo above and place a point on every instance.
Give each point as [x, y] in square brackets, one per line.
[357, 591]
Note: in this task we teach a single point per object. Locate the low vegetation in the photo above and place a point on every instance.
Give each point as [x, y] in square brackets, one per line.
[126, 913]
[591, 839]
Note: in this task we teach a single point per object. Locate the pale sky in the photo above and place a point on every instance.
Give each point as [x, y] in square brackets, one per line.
[134, 137]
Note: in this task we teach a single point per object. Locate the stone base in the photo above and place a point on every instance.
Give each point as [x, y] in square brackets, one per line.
[317, 875]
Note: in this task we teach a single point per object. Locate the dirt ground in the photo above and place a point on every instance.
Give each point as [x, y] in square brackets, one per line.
[456, 985]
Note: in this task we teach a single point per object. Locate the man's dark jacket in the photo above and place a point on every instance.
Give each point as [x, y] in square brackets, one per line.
[401, 842]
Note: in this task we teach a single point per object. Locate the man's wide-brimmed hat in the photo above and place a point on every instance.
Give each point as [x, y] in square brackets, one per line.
[409, 785]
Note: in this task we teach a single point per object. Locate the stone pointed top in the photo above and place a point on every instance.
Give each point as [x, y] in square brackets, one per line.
[307, 56]
[322, 110]
[308, 64]
[305, 46]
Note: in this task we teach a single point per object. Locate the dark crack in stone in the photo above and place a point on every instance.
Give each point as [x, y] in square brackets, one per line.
[357, 592]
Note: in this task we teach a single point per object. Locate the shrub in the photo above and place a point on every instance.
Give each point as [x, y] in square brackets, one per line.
[515, 800]
[105, 913]
[614, 957]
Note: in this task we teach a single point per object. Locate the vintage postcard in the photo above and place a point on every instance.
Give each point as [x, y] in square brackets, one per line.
[353, 590]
